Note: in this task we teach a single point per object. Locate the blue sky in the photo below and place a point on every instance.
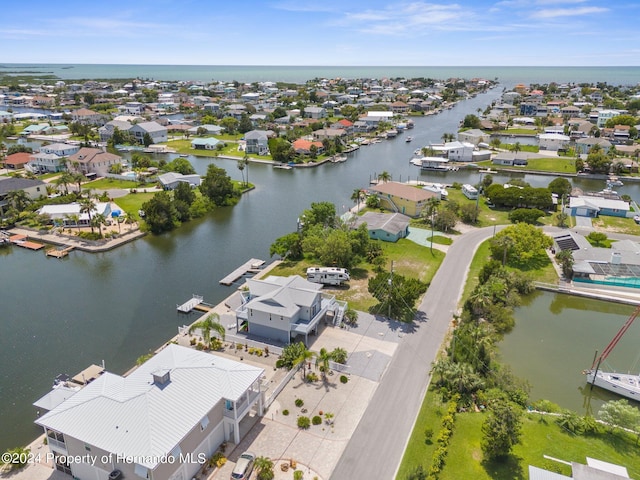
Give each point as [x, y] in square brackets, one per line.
[322, 32]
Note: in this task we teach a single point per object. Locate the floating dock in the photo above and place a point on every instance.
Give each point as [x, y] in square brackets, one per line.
[21, 241]
[251, 266]
[59, 253]
[190, 304]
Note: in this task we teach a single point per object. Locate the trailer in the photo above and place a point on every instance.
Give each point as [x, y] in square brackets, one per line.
[328, 275]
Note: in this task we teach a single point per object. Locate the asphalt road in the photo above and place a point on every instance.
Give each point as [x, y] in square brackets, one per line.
[377, 445]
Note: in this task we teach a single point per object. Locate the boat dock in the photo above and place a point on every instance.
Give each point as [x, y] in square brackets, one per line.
[21, 241]
[190, 304]
[59, 253]
[251, 266]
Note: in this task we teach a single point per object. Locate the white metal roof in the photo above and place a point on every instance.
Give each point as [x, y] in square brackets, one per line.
[134, 417]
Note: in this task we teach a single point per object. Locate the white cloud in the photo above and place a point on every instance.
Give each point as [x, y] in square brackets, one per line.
[567, 12]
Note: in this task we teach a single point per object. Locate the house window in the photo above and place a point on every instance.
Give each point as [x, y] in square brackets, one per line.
[204, 422]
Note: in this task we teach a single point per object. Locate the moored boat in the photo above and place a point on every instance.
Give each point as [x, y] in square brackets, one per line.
[625, 384]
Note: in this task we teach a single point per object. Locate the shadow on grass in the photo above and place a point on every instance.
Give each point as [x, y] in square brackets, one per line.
[505, 468]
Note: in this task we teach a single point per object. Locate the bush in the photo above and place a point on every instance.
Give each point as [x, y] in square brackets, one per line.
[339, 355]
[285, 412]
[312, 377]
[298, 475]
[299, 402]
[304, 423]
[316, 420]
[344, 379]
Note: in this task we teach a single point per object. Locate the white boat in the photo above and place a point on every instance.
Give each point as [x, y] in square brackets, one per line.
[614, 182]
[408, 139]
[625, 384]
[338, 159]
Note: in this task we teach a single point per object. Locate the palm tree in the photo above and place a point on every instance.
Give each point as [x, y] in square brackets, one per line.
[75, 218]
[64, 179]
[87, 205]
[356, 196]
[206, 326]
[304, 356]
[516, 148]
[384, 177]
[323, 357]
[241, 168]
[99, 220]
[19, 199]
[264, 467]
[77, 179]
[448, 137]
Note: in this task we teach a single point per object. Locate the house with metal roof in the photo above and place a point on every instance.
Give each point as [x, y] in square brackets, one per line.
[208, 143]
[282, 308]
[388, 227]
[171, 180]
[588, 206]
[160, 422]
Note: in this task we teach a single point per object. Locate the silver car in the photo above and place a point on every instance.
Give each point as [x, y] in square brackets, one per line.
[244, 466]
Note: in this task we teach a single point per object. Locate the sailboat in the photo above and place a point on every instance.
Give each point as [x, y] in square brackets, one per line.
[625, 384]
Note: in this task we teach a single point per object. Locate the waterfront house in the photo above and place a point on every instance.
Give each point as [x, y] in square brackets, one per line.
[590, 206]
[553, 141]
[209, 143]
[108, 129]
[181, 403]
[171, 180]
[157, 132]
[329, 133]
[92, 161]
[303, 147]
[282, 308]
[402, 198]
[584, 145]
[388, 227]
[71, 214]
[257, 141]
[474, 136]
[33, 188]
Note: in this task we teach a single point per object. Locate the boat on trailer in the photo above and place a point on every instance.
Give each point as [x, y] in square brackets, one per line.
[625, 384]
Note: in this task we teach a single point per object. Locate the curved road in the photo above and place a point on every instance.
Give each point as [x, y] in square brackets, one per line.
[377, 445]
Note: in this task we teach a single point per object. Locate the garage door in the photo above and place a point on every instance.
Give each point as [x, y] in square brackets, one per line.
[582, 212]
[208, 446]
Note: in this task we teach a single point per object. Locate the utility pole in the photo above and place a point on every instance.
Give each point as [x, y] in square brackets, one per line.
[390, 288]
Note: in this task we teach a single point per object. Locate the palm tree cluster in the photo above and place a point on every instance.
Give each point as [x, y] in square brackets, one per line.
[210, 324]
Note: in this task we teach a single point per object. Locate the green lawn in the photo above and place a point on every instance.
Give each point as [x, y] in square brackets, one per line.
[616, 224]
[133, 202]
[184, 147]
[107, 183]
[517, 131]
[540, 436]
[409, 260]
[554, 164]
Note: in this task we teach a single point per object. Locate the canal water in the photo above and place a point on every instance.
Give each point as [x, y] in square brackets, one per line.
[58, 316]
[556, 337]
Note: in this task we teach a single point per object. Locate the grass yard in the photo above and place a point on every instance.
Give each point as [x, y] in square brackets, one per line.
[540, 436]
[554, 164]
[107, 183]
[410, 260]
[133, 202]
[616, 224]
[184, 147]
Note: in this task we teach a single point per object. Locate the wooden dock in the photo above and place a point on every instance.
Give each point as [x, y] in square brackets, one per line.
[251, 266]
[59, 253]
[190, 304]
[22, 241]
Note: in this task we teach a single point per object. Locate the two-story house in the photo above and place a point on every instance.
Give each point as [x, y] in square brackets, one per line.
[51, 158]
[160, 422]
[282, 308]
[402, 198]
[157, 132]
[257, 141]
[94, 161]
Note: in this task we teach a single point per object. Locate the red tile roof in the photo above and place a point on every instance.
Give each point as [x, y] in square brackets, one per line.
[16, 159]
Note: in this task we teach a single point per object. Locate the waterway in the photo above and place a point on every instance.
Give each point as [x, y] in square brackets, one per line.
[58, 316]
[555, 339]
